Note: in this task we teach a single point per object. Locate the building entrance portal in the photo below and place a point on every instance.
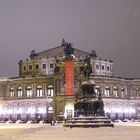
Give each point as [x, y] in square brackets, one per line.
[69, 114]
[69, 110]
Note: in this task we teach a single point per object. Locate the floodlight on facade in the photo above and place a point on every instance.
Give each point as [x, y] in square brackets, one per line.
[19, 111]
[41, 110]
[9, 111]
[30, 110]
[1, 109]
[132, 110]
[107, 110]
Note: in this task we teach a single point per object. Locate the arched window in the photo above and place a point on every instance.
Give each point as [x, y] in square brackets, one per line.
[41, 110]
[39, 91]
[137, 92]
[30, 110]
[50, 109]
[12, 92]
[107, 91]
[97, 89]
[19, 92]
[50, 91]
[115, 92]
[29, 91]
[122, 92]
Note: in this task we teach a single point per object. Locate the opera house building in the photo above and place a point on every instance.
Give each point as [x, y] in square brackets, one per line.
[39, 92]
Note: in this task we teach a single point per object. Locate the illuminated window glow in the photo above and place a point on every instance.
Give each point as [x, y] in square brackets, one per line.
[12, 92]
[30, 110]
[50, 109]
[122, 92]
[19, 92]
[107, 91]
[50, 90]
[29, 91]
[19, 111]
[115, 92]
[97, 89]
[39, 91]
[41, 110]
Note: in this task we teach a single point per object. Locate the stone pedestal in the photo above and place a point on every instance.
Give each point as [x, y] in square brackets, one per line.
[89, 109]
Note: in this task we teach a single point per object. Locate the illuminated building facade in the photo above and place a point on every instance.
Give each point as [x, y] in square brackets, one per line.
[39, 92]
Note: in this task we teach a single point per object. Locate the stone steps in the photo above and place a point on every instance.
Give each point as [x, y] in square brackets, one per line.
[98, 121]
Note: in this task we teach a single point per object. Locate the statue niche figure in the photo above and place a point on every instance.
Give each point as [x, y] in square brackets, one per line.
[68, 50]
[87, 68]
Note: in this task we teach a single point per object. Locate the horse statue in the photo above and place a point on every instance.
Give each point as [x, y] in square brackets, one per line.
[68, 50]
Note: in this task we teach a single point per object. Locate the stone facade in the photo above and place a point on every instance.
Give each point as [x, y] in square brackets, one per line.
[39, 91]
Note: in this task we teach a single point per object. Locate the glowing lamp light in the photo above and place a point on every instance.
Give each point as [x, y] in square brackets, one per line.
[116, 110]
[107, 110]
[41, 110]
[9, 111]
[131, 110]
[50, 109]
[19, 111]
[69, 106]
[119, 110]
[126, 110]
[1, 110]
[30, 110]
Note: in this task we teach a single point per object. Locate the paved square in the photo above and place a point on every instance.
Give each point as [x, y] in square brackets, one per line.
[58, 132]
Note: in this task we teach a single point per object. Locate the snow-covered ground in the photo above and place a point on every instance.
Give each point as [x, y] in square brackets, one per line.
[121, 131]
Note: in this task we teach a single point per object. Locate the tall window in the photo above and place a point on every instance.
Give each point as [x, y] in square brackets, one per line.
[24, 67]
[12, 92]
[50, 90]
[108, 68]
[36, 66]
[50, 109]
[51, 65]
[97, 90]
[137, 93]
[62, 87]
[29, 91]
[39, 91]
[103, 67]
[30, 67]
[44, 66]
[19, 92]
[107, 91]
[115, 92]
[97, 66]
[122, 92]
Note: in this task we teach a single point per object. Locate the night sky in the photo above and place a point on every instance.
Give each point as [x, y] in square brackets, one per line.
[110, 27]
